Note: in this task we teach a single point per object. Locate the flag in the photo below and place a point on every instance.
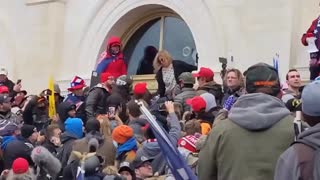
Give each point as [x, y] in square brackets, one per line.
[276, 62]
[176, 163]
[52, 104]
[80, 173]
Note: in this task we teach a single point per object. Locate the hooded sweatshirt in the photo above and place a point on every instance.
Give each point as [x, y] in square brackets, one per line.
[288, 166]
[110, 63]
[258, 111]
[74, 126]
[73, 131]
[248, 143]
[62, 110]
[152, 149]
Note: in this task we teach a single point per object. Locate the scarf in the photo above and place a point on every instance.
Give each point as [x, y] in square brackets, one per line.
[131, 144]
[169, 79]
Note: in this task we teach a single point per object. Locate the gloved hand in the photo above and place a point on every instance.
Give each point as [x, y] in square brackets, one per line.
[293, 105]
[229, 102]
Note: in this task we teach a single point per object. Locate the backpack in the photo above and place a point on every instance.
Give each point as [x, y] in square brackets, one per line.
[308, 159]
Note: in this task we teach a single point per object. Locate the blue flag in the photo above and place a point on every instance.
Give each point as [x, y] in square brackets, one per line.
[80, 173]
[176, 163]
[276, 63]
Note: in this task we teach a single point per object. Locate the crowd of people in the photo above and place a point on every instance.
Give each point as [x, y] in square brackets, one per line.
[247, 128]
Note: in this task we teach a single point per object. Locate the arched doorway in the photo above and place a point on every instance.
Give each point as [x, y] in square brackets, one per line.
[162, 31]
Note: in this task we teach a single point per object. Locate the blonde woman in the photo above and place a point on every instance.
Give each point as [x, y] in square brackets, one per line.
[167, 72]
[235, 82]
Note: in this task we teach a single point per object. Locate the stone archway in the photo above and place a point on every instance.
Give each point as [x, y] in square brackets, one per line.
[117, 18]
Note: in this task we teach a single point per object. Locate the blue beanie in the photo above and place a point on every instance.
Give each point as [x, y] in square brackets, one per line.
[74, 126]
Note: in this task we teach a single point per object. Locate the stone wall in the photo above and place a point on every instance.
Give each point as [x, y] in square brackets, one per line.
[64, 37]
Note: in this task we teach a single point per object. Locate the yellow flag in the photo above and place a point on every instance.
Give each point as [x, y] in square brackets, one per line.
[52, 104]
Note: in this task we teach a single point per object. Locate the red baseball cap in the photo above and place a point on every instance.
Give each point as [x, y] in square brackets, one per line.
[105, 77]
[197, 103]
[140, 88]
[204, 72]
[4, 89]
[20, 166]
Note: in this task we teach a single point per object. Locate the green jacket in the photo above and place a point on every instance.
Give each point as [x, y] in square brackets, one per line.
[247, 145]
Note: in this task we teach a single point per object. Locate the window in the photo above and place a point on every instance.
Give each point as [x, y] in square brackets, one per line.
[169, 33]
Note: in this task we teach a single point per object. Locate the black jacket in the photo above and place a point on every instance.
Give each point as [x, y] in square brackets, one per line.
[67, 140]
[214, 89]
[20, 147]
[178, 67]
[51, 148]
[96, 102]
[119, 97]
[63, 109]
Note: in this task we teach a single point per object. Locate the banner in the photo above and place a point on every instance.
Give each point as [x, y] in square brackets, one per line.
[52, 104]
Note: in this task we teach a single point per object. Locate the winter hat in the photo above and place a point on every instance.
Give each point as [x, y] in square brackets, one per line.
[4, 89]
[140, 158]
[262, 75]
[4, 98]
[74, 126]
[3, 71]
[92, 125]
[311, 99]
[197, 103]
[105, 77]
[210, 101]
[188, 142]
[122, 133]
[140, 88]
[7, 128]
[124, 80]
[76, 83]
[20, 166]
[27, 130]
[187, 78]
[125, 166]
[204, 72]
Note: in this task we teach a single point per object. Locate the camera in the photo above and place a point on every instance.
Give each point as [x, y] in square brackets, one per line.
[223, 60]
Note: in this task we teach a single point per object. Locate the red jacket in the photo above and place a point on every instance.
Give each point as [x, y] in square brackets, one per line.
[309, 33]
[108, 63]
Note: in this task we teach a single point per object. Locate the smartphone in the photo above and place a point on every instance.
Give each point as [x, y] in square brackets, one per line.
[19, 81]
[112, 111]
[162, 107]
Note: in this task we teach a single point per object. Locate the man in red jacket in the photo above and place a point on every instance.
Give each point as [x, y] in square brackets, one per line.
[111, 60]
[313, 32]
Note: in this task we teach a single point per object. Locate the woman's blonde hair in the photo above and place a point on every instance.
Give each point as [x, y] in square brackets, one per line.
[29, 175]
[104, 126]
[238, 74]
[161, 55]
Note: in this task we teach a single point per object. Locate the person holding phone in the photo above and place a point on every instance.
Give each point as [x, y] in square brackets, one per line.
[5, 81]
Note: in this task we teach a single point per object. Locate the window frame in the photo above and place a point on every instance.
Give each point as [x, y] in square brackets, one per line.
[137, 25]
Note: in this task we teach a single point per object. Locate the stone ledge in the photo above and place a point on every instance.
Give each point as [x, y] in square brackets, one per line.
[38, 2]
